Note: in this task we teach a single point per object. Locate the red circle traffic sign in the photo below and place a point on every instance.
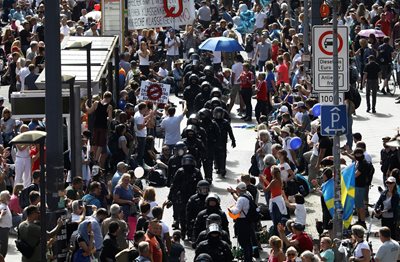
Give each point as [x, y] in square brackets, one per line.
[322, 44]
[154, 92]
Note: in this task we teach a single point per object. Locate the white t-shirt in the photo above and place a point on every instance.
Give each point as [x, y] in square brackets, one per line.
[287, 148]
[237, 68]
[172, 49]
[388, 252]
[217, 57]
[260, 18]
[162, 72]
[139, 120]
[171, 125]
[65, 30]
[359, 248]
[301, 214]
[298, 116]
[6, 220]
[315, 140]
[23, 73]
[143, 61]
[284, 171]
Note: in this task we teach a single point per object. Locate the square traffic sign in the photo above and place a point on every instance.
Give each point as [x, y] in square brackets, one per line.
[323, 58]
[333, 120]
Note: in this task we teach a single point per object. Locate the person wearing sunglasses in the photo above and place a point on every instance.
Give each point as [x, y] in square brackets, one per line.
[387, 206]
[291, 254]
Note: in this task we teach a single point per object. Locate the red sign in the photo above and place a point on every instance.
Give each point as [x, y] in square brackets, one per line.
[154, 92]
[326, 39]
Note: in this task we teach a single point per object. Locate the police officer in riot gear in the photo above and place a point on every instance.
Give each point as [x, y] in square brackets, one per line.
[212, 207]
[200, 132]
[213, 134]
[203, 97]
[212, 219]
[190, 92]
[196, 204]
[183, 186]
[194, 145]
[218, 249]
[175, 161]
[209, 77]
[226, 129]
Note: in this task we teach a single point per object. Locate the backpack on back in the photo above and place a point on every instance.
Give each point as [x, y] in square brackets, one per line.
[252, 214]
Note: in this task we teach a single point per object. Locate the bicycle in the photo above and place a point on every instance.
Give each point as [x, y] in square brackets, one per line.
[392, 88]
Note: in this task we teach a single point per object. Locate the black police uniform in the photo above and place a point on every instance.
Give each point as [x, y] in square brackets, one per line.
[203, 97]
[203, 236]
[226, 129]
[201, 220]
[194, 145]
[213, 134]
[218, 249]
[183, 186]
[194, 206]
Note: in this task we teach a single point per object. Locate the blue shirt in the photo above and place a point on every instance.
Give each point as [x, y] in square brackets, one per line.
[125, 194]
[115, 179]
[98, 236]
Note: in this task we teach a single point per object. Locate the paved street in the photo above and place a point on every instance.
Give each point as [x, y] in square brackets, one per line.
[371, 126]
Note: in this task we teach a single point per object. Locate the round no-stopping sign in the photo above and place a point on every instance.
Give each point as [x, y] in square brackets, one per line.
[326, 39]
[154, 92]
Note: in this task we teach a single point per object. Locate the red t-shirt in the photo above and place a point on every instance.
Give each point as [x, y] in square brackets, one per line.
[36, 164]
[246, 79]
[385, 26]
[283, 74]
[262, 93]
[275, 52]
[305, 242]
[155, 249]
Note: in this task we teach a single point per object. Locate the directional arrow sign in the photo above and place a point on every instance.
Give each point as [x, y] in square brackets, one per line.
[333, 120]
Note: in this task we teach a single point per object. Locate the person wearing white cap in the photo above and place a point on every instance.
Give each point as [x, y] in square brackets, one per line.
[387, 206]
[243, 228]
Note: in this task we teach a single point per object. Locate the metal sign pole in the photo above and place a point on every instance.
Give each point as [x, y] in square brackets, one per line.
[338, 217]
[306, 29]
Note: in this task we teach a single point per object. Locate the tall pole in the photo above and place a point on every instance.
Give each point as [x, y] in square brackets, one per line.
[89, 84]
[54, 119]
[338, 217]
[54, 124]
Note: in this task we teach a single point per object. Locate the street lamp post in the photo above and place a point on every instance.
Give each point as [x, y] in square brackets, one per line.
[29, 138]
[85, 45]
[74, 126]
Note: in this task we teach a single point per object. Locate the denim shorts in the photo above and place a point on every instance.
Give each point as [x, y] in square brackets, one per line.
[359, 197]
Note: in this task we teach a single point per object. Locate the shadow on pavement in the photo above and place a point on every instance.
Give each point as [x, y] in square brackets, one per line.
[380, 115]
[360, 118]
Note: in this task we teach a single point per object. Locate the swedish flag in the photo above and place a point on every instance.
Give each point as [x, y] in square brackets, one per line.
[347, 184]
[328, 193]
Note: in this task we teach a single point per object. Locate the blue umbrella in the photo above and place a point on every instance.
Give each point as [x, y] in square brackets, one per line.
[224, 44]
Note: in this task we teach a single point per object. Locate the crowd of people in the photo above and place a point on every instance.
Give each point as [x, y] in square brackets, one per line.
[114, 212]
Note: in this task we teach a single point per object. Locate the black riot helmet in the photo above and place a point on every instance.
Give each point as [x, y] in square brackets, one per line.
[213, 197]
[180, 148]
[190, 131]
[216, 92]
[203, 257]
[191, 52]
[213, 219]
[193, 120]
[203, 187]
[218, 113]
[188, 161]
[208, 71]
[195, 58]
[205, 86]
[193, 79]
[204, 113]
[216, 102]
